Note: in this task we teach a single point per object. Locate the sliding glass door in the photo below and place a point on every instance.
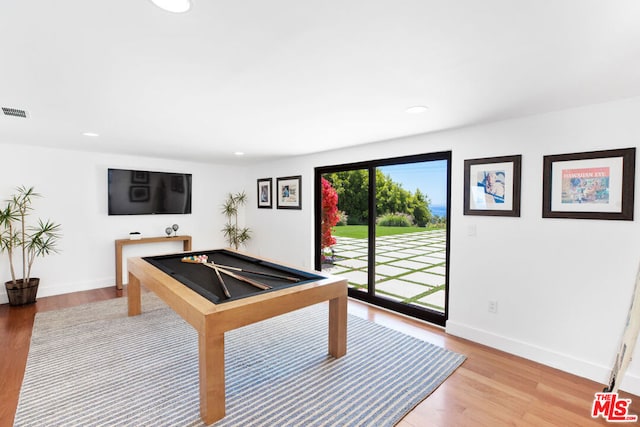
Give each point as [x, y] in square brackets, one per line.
[384, 226]
[345, 203]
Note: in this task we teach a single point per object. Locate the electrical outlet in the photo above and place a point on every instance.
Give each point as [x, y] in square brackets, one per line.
[493, 306]
[472, 231]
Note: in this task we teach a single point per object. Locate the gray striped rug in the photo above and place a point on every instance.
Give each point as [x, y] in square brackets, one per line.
[94, 366]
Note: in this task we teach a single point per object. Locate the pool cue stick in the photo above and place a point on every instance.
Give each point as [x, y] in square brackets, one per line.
[224, 285]
[277, 276]
[244, 279]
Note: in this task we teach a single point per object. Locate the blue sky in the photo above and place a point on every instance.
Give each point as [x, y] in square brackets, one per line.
[429, 177]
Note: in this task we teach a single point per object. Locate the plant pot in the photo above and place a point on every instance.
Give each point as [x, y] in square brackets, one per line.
[21, 293]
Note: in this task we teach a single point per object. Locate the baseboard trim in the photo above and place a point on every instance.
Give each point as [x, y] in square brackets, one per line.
[544, 356]
[49, 289]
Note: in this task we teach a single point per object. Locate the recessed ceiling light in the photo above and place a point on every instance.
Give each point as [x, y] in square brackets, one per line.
[175, 6]
[239, 153]
[416, 109]
[91, 134]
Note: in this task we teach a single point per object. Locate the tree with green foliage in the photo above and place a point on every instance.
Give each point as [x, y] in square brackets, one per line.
[352, 188]
[420, 209]
[353, 192]
[390, 196]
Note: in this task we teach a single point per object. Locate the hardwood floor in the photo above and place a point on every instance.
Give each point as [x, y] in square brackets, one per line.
[491, 388]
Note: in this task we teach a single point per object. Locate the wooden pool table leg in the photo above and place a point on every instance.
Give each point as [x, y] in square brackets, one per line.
[133, 296]
[338, 326]
[212, 386]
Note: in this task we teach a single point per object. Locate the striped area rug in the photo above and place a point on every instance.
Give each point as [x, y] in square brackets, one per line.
[94, 366]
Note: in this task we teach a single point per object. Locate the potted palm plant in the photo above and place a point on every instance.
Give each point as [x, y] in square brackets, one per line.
[235, 235]
[27, 241]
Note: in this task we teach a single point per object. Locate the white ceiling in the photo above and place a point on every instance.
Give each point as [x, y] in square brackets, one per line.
[287, 77]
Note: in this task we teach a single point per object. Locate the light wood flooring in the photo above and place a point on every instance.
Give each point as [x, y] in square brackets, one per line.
[491, 388]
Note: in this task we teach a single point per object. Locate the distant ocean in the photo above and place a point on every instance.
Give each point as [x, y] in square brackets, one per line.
[438, 210]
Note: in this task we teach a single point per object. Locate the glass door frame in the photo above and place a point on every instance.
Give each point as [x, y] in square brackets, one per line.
[431, 316]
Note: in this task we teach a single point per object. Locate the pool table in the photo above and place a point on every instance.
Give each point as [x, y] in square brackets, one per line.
[194, 292]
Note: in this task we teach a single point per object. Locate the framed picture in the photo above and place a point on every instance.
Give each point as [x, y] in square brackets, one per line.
[591, 185]
[139, 193]
[492, 186]
[264, 193]
[289, 192]
[177, 183]
[139, 177]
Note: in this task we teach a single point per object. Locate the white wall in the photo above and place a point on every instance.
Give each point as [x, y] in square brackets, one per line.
[74, 186]
[563, 286]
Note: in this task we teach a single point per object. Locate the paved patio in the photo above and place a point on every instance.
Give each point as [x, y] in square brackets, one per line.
[409, 267]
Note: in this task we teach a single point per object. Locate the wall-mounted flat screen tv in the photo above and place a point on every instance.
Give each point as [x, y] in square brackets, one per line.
[135, 192]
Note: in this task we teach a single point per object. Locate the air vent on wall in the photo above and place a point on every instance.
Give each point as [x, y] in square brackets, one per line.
[15, 112]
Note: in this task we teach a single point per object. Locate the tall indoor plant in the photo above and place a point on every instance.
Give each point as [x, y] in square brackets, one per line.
[27, 241]
[235, 235]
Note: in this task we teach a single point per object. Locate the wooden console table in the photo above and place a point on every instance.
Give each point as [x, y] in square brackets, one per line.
[186, 245]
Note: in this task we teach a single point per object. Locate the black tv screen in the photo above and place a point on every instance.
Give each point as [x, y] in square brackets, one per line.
[134, 192]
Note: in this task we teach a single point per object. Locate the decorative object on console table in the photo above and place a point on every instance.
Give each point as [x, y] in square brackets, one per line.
[289, 192]
[186, 246]
[31, 241]
[168, 230]
[135, 235]
[590, 185]
[235, 235]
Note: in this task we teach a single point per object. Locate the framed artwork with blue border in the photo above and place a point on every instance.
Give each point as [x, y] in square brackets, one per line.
[289, 192]
[492, 186]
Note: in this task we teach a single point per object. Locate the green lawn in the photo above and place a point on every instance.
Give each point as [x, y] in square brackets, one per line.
[361, 231]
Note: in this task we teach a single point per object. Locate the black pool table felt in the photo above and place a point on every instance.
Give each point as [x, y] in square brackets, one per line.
[204, 281]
